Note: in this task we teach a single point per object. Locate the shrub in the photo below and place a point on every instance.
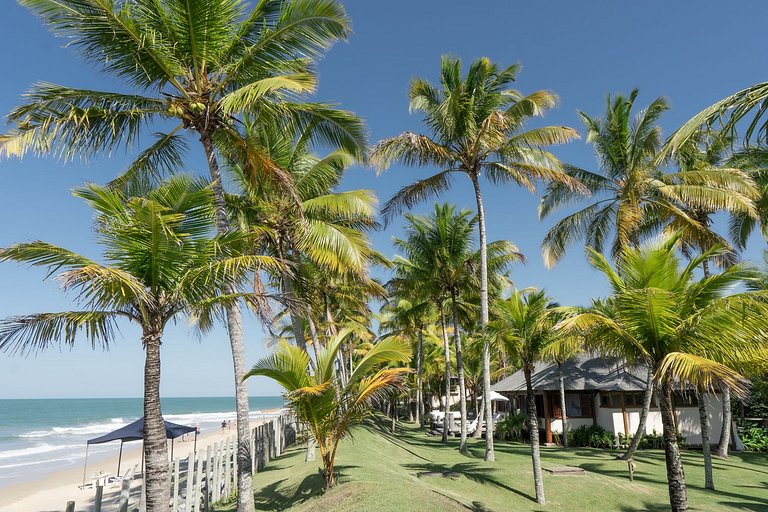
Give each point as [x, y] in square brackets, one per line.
[652, 441]
[755, 439]
[512, 427]
[594, 436]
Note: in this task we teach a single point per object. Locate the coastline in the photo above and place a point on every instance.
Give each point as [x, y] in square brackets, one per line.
[51, 492]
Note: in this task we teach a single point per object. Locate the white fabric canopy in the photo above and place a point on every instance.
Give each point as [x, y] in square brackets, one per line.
[496, 397]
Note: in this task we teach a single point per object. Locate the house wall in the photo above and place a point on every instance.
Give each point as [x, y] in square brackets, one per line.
[688, 424]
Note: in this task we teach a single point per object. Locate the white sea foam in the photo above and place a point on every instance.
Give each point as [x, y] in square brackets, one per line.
[93, 428]
[37, 450]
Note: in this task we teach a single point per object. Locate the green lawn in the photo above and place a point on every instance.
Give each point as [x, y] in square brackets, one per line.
[413, 471]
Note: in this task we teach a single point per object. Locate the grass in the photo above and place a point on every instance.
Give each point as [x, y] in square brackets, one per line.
[413, 471]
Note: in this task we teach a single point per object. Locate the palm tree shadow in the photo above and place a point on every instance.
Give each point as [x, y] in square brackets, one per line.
[467, 470]
[273, 497]
[646, 507]
[378, 430]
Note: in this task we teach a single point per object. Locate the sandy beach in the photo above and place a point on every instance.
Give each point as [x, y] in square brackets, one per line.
[51, 493]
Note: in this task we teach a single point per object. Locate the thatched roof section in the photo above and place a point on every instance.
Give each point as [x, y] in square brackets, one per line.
[583, 373]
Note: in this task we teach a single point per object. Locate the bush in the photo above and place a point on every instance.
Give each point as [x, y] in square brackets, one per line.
[755, 439]
[512, 427]
[652, 441]
[594, 436]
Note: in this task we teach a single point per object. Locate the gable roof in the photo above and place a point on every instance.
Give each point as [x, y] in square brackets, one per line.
[582, 373]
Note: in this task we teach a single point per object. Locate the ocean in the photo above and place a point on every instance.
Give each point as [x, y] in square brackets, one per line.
[44, 435]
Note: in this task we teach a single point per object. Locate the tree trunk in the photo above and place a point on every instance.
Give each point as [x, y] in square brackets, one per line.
[480, 419]
[678, 494]
[563, 414]
[447, 350]
[420, 380]
[647, 397]
[296, 323]
[393, 405]
[460, 372]
[156, 481]
[237, 343]
[533, 429]
[725, 433]
[706, 449]
[489, 455]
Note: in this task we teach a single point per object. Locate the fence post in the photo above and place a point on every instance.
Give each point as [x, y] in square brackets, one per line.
[190, 476]
[176, 485]
[99, 497]
[70, 506]
[252, 442]
[125, 493]
[198, 481]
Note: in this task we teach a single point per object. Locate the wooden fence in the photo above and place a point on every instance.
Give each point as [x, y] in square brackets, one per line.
[209, 475]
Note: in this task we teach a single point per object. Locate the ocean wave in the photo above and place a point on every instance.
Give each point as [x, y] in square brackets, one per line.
[92, 428]
[37, 450]
[213, 417]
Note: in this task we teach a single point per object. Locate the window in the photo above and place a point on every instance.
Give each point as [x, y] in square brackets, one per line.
[684, 399]
[577, 405]
[613, 399]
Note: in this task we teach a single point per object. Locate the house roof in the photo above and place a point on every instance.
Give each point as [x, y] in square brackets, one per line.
[582, 373]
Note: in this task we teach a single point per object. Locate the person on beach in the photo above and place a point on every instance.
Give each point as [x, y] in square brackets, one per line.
[223, 425]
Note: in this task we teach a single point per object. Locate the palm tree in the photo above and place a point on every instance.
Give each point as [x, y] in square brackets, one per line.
[524, 324]
[633, 197]
[441, 256]
[685, 330]
[560, 350]
[477, 124]
[196, 64]
[160, 263]
[327, 408]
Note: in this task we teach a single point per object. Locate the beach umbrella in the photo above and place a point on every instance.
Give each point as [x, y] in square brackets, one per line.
[135, 432]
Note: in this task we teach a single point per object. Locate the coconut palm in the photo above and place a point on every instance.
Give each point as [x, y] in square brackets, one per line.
[329, 409]
[477, 124]
[632, 195]
[686, 330]
[160, 263]
[190, 68]
[524, 324]
[440, 255]
[560, 350]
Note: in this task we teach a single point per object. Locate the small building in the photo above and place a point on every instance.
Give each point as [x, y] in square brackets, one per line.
[605, 392]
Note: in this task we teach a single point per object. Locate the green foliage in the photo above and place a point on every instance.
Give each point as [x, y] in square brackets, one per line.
[593, 436]
[652, 441]
[512, 426]
[755, 439]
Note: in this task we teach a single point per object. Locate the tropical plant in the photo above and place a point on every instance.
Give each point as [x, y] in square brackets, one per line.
[512, 426]
[440, 254]
[328, 408]
[194, 67]
[633, 198]
[477, 124]
[560, 350]
[593, 436]
[685, 330]
[524, 322]
[160, 263]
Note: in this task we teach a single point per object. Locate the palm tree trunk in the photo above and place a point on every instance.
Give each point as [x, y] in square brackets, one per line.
[489, 455]
[563, 414]
[706, 449]
[725, 433]
[533, 428]
[460, 372]
[393, 405]
[647, 397]
[420, 380]
[480, 419]
[237, 343]
[678, 493]
[296, 324]
[447, 350]
[156, 482]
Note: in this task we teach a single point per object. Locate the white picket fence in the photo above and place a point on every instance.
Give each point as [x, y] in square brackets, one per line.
[209, 475]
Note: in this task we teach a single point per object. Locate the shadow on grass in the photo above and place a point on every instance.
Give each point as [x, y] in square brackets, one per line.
[276, 496]
[646, 507]
[393, 438]
[469, 471]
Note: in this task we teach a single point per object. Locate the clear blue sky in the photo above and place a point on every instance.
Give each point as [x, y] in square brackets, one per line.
[691, 52]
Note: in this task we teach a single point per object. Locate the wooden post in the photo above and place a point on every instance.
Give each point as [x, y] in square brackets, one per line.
[631, 468]
[228, 467]
[252, 441]
[547, 418]
[208, 473]
[235, 449]
[260, 447]
[198, 482]
[175, 500]
[190, 477]
[125, 493]
[98, 499]
[624, 413]
[216, 495]
[70, 506]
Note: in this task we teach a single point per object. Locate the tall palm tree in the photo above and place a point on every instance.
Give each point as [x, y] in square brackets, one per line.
[631, 193]
[160, 263]
[441, 255]
[560, 350]
[477, 124]
[686, 330]
[194, 66]
[524, 323]
[327, 408]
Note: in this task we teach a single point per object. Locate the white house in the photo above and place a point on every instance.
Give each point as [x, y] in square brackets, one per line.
[608, 393]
